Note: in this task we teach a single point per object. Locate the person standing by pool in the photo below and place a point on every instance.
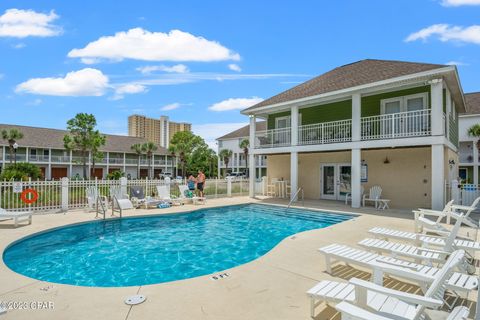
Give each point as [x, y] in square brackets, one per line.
[200, 183]
[191, 183]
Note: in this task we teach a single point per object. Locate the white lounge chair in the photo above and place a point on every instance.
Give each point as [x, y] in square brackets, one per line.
[375, 195]
[416, 252]
[164, 195]
[17, 217]
[194, 199]
[92, 195]
[386, 302]
[120, 199]
[353, 312]
[467, 210]
[419, 273]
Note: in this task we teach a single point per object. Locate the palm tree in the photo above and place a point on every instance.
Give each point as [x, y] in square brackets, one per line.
[12, 136]
[138, 150]
[225, 155]
[474, 131]
[245, 144]
[149, 148]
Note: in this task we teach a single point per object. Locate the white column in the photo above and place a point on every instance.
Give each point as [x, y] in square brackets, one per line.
[153, 167]
[125, 163]
[260, 166]
[356, 184]
[475, 174]
[293, 174]
[356, 114]
[448, 113]
[437, 107]
[89, 167]
[26, 154]
[49, 169]
[219, 169]
[166, 165]
[294, 125]
[438, 177]
[108, 164]
[4, 161]
[251, 155]
[70, 165]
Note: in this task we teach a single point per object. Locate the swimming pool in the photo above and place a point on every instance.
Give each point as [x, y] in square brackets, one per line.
[160, 248]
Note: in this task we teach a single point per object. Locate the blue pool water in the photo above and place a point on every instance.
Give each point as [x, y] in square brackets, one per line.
[155, 249]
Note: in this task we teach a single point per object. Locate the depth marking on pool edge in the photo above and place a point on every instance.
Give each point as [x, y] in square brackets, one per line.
[220, 276]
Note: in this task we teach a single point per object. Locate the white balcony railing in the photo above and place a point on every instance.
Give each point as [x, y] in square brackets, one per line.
[37, 158]
[325, 132]
[273, 138]
[397, 125]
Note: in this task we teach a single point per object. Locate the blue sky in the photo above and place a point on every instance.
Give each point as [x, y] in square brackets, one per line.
[200, 61]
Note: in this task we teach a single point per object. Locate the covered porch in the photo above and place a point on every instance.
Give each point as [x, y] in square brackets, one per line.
[410, 177]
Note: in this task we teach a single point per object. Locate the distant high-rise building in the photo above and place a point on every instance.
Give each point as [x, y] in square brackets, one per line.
[159, 130]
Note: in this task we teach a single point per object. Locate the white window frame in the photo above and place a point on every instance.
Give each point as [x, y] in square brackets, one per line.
[403, 101]
[288, 118]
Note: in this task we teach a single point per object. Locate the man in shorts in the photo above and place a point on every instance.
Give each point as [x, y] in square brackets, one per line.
[200, 183]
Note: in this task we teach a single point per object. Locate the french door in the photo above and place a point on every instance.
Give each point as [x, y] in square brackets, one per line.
[335, 180]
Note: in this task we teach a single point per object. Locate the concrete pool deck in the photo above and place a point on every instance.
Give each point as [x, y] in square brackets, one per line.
[271, 287]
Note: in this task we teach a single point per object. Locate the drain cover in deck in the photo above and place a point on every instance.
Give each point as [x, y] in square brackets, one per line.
[136, 299]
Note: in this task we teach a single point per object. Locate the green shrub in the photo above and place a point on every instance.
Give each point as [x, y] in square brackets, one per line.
[115, 175]
[21, 171]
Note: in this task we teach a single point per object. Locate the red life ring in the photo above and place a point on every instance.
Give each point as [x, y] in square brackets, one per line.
[26, 192]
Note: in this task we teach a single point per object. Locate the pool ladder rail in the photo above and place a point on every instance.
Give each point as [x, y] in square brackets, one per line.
[100, 206]
[295, 197]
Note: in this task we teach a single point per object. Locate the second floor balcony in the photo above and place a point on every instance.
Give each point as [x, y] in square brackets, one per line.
[386, 126]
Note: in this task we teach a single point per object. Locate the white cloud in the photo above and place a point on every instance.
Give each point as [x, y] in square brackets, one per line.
[235, 104]
[456, 63]
[457, 3]
[140, 44]
[446, 33]
[19, 23]
[234, 67]
[178, 68]
[211, 131]
[85, 82]
[171, 106]
[19, 46]
[129, 88]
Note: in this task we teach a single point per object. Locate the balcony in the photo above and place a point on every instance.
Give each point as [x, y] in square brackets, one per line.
[387, 126]
[115, 160]
[62, 159]
[38, 158]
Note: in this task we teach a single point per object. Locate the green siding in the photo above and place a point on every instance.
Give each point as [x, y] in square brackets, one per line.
[343, 109]
[371, 104]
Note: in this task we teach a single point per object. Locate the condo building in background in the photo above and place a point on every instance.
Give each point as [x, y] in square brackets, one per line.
[44, 147]
[159, 130]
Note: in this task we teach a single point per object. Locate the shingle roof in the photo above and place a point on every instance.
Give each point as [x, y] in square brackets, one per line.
[53, 138]
[244, 131]
[472, 100]
[350, 75]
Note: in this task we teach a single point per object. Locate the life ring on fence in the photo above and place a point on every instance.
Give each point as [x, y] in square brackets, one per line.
[26, 192]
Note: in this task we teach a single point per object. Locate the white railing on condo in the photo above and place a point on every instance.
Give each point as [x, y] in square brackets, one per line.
[273, 138]
[57, 195]
[37, 158]
[325, 132]
[397, 125]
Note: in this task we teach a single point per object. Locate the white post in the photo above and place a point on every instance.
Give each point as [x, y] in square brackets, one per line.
[251, 155]
[166, 165]
[124, 162]
[356, 184]
[293, 174]
[294, 126]
[356, 115]
[64, 194]
[123, 186]
[219, 169]
[153, 168]
[437, 107]
[475, 161]
[455, 192]
[167, 184]
[438, 177]
[26, 154]
[264, 186]
[4, 161]
[89, 173]
[229, 186]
